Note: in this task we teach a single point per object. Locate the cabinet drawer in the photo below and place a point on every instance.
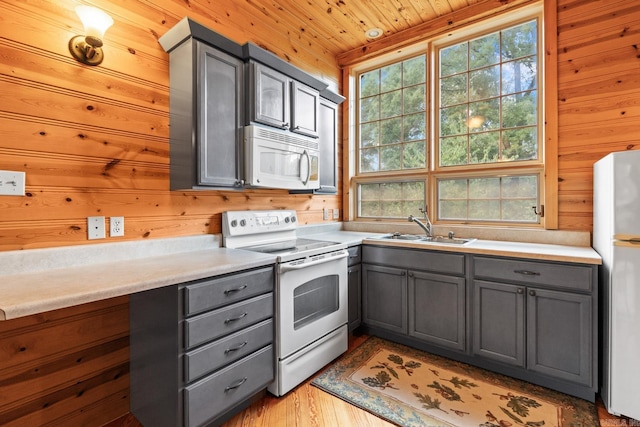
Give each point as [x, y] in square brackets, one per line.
[213, 293]
[355, 255]
[569, 276]
[210, 397]
[418, 259]
[226, 350]
[226, 320]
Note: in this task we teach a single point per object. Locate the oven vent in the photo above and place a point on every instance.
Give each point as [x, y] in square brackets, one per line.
[285, 137]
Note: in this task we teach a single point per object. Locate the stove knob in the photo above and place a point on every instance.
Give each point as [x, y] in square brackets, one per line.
[286, 219]
[243, 223]
[293, 218]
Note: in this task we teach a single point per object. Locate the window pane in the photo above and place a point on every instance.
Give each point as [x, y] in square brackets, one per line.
[391, 104]
[414, 70]
[484, 51]
[369, 109]
[369, 134]
[520, 144]
[520, 75]
[391, 131]
[390, 77]
[414, 99]
[519, 110]
[414, 127]
[413, 155]
[453, 120]
[453, 59]
[506, 199]
[519, 41]
[392, 199]
[484, 115]
[484, 83]
[369, 160]
[370, 83]
[453, 151]
[484, 147]
[390, 158]
[453, 90]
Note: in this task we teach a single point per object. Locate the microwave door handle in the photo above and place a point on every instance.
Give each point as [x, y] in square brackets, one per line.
[305, 154]
[283, 268]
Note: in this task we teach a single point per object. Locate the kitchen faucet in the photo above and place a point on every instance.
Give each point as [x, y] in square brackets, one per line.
[428, 228]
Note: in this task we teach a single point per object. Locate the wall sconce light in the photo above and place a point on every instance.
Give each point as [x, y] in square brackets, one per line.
[87, 48]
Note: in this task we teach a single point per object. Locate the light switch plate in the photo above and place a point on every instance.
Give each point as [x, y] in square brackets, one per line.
[336, 213]
[12, 183]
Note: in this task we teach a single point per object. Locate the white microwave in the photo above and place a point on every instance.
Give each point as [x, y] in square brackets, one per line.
[276, 158]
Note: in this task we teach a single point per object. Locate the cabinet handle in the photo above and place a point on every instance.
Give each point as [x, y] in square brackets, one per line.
[532, 293]
[527, 272]
[233, 290]
[410, 274]
[403, 273]
[236, 348]
[297, 128]
[235, 318]
[285, 125]
[235, 385]
[520, 291]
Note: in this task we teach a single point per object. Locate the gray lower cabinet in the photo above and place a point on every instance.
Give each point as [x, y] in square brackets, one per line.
[354, 279]
[531, 319]
[539, 316]
[200, 351]
[415, 297]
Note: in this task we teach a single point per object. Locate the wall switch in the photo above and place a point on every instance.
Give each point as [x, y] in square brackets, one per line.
[12, 183]
[325, 214]
[95, 227]
[336, 213]
[116, 226]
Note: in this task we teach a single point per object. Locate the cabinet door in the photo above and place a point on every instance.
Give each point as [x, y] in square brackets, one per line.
[220, 97]
[498, 322]
[328, 139]
[305, 108]
[437, 309]
[270, 103]
[559, 334]
[355, 296]
[384, 298]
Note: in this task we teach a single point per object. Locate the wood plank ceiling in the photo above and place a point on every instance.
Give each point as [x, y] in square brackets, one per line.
[340, 25]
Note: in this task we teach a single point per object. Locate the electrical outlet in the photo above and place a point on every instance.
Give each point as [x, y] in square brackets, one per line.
[325, 214]
[116, 226]
[336, 213]
[95, 227]
[12, 183]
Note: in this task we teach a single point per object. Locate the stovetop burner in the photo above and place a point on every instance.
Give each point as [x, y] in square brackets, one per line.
[290, 246]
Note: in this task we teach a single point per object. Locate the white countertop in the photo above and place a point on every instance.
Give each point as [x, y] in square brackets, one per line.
[540, 251]
[38, 280]
[33, 288]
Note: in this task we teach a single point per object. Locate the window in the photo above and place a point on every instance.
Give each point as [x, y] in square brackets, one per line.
[455, 127]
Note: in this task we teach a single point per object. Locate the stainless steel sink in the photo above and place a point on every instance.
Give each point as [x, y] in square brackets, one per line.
[426, 239]
[447, 240]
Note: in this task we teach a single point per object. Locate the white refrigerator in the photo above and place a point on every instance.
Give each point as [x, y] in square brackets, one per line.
[616, 237]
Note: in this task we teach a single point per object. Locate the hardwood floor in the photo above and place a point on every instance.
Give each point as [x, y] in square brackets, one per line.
[308, 406]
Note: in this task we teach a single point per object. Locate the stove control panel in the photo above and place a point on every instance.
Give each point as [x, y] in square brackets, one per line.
[242, 223]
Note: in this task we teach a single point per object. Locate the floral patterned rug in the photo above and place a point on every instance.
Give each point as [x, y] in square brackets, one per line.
[413, 388]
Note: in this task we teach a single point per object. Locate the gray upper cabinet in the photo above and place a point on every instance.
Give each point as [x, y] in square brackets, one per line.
[220, 120]
[328, 134]
[206, 108]
[282, 102]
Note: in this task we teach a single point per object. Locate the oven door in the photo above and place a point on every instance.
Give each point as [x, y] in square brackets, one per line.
[312, 300]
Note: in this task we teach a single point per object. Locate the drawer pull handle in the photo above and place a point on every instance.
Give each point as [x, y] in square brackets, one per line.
[234, 319]
[236, 348]
[238, 289]
[532, 293]
[520, 291]
[235, 385]
[527, 272]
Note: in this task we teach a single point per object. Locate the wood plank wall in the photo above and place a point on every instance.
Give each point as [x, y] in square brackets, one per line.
[94, 141]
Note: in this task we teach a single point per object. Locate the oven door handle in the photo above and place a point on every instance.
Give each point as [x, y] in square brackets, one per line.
[283, 268]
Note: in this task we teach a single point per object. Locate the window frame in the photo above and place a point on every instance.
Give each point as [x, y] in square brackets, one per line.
[545, 167]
